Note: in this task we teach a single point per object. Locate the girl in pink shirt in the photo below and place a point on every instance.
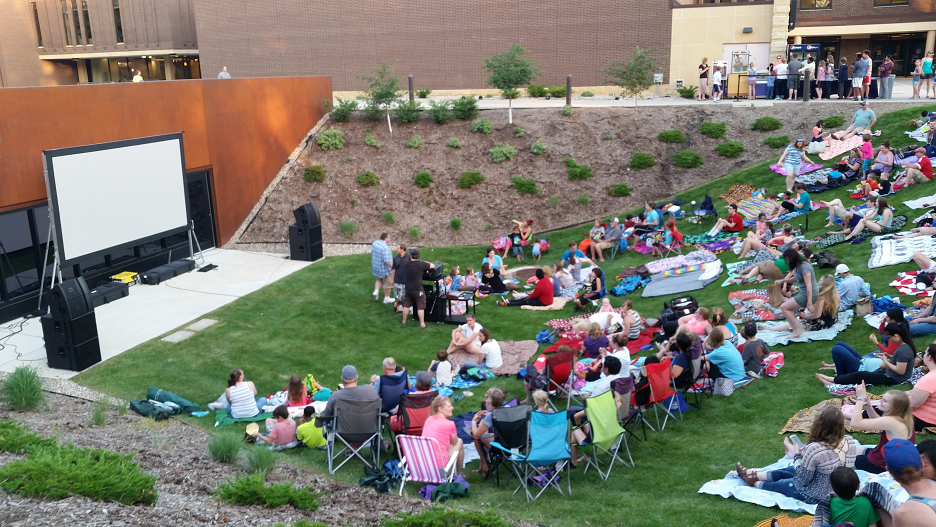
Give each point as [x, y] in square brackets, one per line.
[867, 153]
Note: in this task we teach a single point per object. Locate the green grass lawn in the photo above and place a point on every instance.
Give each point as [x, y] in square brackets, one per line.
[321, 318]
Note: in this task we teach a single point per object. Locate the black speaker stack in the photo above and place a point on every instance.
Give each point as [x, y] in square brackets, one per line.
[305, 236]
[70, 329]
[434, 287]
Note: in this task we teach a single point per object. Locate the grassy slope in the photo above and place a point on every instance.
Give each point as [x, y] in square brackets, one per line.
[321, 318]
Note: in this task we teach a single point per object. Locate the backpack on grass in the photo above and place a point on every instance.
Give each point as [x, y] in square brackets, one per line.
[148, 409]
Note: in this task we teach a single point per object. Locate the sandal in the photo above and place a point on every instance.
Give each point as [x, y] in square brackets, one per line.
[748, 476]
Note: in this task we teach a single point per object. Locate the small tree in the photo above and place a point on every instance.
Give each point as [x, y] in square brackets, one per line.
[383, 92]
[635, 76]
[509, 71]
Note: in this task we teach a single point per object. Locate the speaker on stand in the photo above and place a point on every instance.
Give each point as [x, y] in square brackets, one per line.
[70, 328]
[305, 236]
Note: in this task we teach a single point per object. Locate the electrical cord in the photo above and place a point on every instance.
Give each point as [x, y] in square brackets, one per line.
[15, 329]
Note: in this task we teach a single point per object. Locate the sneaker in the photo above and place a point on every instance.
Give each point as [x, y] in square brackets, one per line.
[375, 295]
[388, 300]
[753, 375]
[217, 405]
[502, 303]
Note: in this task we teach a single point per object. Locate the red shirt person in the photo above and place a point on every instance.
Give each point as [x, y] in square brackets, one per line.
[542, 294]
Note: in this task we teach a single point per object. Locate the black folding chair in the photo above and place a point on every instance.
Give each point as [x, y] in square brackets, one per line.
[354, 422]
[510, 431]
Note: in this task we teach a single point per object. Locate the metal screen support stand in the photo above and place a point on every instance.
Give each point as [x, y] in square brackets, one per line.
[56, 263]
[192, 243]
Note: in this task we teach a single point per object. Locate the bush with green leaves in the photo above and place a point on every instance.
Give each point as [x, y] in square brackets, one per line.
[342, 111]
[423, 179]
[99, 414]
[510, 94]
[618, 190]
[440, 111]
[524, 186]
[252, 490]
[566, 111]
[443, 517]
[225, 446]
[587, 93]
[713, 130]
[609, 137]
[538, 147]
[15, 438]
[777, 141]
[730, 148]
[834, 121]
[331, 139]
[315, 173]
[368, 179]
[557, 91]
[388, 218]
[414, 142]
[454, 142]
[577, 171]
[642, 160]
[502, 152]
[370, 140]
[470, 178]
[408, 112]
[687, 159]
[519, 132]
[465, 108]
[482, 125]
[22, 390]
[537, 90]
[422, 94]
[671, 136]
[766, 124]
[455, 223]
[583, 200]
[383, 91]
[348, 228]
[261, 460]
[687, 92]
[413, 233]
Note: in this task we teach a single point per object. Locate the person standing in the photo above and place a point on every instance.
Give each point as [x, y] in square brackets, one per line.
[821, 79]
[782, 68]
[928, 74]
[224, 73]
[866, 83]
[793, 74]
[415, 296]
[382, 266]
[703, 79]
[885, 73]
[138, 77]
[844, 80]
[400, 261]
[810, 67]
[858, 74]
[716, 84]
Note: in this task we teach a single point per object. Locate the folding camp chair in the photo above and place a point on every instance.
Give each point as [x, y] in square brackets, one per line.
[413, 411]
[607, 434]
[621, 246]
[676, 246]
[699, 382]
[548, 455]
[355, 422]
[391, 388]
[660, 390]
[511, 431]
[559, 371]
[706, 209]
[419, 461]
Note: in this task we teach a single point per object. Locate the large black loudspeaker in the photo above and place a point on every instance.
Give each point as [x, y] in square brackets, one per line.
[70, 328]
[70, 299]
[435, 303]
[792, 24]
[305, 236]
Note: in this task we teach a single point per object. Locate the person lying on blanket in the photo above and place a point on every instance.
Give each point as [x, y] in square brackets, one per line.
[823, 314]
[807, 479]
[893, 370]
[880, 221]
[734, 223]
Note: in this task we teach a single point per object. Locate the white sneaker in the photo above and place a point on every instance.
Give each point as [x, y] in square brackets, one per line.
[217, 405]
[375, 295]
[388, 300]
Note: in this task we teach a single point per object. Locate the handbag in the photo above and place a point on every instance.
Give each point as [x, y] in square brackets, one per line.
[723, 386]
[864, 306]
[775, 296]
[816, 147]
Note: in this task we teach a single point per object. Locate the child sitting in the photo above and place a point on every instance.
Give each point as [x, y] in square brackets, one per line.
[442, 368]
[307, 432]
[454, 279]
[869, 185]
[470, 282]
[541, 401]
[846, 506]
[664, 239]
[284, 431]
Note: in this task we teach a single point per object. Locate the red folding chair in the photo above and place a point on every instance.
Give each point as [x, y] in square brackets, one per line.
[559, 371]
[661, 388]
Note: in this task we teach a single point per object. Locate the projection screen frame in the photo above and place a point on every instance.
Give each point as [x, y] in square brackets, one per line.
[49, 171]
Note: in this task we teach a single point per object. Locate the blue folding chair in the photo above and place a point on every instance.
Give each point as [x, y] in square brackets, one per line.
[391, 388]
[706, 209]
[548, 454]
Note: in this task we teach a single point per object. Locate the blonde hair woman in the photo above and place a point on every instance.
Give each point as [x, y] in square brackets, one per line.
[703, 79]
[895, 423]
[824, 313]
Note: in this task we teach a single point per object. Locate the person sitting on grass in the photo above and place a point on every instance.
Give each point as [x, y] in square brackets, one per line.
[721, 359]
[906, 467]
[869, 185]
[846, 360]
[807, 480]
[296, 394]
[755, 240]
[838, 210]
[489, 354]
[852, 162]
[241, 397]
[698, 322]
[882, 220]
[439, 427]
[920, 171]
[482, 422]
[442, 368]
[492, 283]
[594, 290]
[734, 223]
[896, 422]
[307, 432]
[894, 369]
[805, 276]
[284, 431]
[927, 450]
[784, 237]
[494, 260]
[470, 281]
[922, 397]
[800, 206]
[850, 287]
[572, 250]
[542, 294]
[466, 335]
[846, 505]
[823, 313]
[853, 216]
[774, 269]
[595, 341]
[754, 350]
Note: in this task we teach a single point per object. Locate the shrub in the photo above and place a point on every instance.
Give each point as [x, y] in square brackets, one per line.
[730, 149]
[557, 91]
[554, 201]
[609, 137]
[454, 142]
[423, 179]
[368, 179]
[483, 125]
[348, 159]
[618, 190]
[519, 132]
[777, 141]
[225, 446]
[428, 200]
[687, 92]
[251, 490]
[713, 130]
[642, 160]
[408, 112]
[331, 139]
[261, 460]
[538, 147]
[413, 233]
[465, 108]
[315, 173]
[512, 93]
[566, 111]
[348, 228]
[537, 90]
[525, 186]
[576, 171]
[834, 121]
[23, 389]
[99, 415]
[388, 218]
[583, 200]
[455, 223]
[687, 159]
[422, 94]
[342, 112]
[502, 152]
[766, 124]
[440, 111]
[470, 178]
[587, 93]
[414, 142]
[370, 140]
[671, 136]
[442, 517]
[15, 438]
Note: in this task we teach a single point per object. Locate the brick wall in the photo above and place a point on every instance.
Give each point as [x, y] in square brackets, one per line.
[440, 42]
[842, 10]
[19, 59]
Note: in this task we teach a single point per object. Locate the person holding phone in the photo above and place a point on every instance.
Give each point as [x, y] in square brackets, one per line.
[896, 422]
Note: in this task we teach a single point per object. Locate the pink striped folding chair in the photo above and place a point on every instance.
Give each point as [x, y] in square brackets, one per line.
[419, 461]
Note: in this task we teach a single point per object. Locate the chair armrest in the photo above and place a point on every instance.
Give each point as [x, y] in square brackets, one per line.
[513, 456]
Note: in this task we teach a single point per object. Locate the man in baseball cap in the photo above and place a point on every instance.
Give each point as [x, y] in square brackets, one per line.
[920, 171]
[350, 391]
[849, 286]
[903, 463]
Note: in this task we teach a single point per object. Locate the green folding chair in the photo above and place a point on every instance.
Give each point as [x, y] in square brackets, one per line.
[607, 435]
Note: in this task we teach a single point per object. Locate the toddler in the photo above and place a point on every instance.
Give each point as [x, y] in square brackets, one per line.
[536, 250]
[454, 279]
[442, 368]
[470, 281]
[867, 152]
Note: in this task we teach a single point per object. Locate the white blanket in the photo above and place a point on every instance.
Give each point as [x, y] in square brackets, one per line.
[775, 338]
[921, 203]
[893, 251]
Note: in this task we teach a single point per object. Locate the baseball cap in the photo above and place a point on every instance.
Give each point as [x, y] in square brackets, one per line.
[841, 269]
[750, 328]
[424, 377]
[615, 220]
[348, 372]
[863, 103]
[900, 454]
[932, 115]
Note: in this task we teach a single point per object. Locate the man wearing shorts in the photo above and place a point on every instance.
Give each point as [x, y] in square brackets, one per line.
[415, 296]
[612, 236]
[919, 172]
[866, 57]
[400, 261]
[862, 121]
[858, 77]
[381, 266]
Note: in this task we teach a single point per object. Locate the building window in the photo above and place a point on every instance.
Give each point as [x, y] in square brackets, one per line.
[18, 258]
[87, 22]
[880, 3]
[35, 11]
[815, 4]
[118, 24]
[77, 20]
[68, 34]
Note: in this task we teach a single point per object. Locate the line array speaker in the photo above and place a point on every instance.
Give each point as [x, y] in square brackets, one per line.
[305, 236]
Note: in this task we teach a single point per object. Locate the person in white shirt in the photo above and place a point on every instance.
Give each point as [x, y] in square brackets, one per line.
[490, 352]
[466, 336]
[716, 84]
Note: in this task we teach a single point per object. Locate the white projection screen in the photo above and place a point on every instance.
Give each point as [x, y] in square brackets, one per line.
[115, 195]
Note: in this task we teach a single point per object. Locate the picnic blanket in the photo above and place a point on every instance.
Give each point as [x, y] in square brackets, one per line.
[831, 240]
[736, 193]
[223, 419]
[921, 203]
[785, 521]
[752, 206]
[684, 260]
[887, 250]
[661, 285]
[734, 269]
[559, 302]
[515, 355]
[919, 134]
[776, 338]
[815, 205]
[804, 169]
[906, 284]
[837, 148]
[802, 421]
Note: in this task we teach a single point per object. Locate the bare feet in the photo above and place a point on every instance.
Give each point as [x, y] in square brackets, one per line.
[824, 379]
[747, 475]
[827, 366]
[796, 334]
[422, 325]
